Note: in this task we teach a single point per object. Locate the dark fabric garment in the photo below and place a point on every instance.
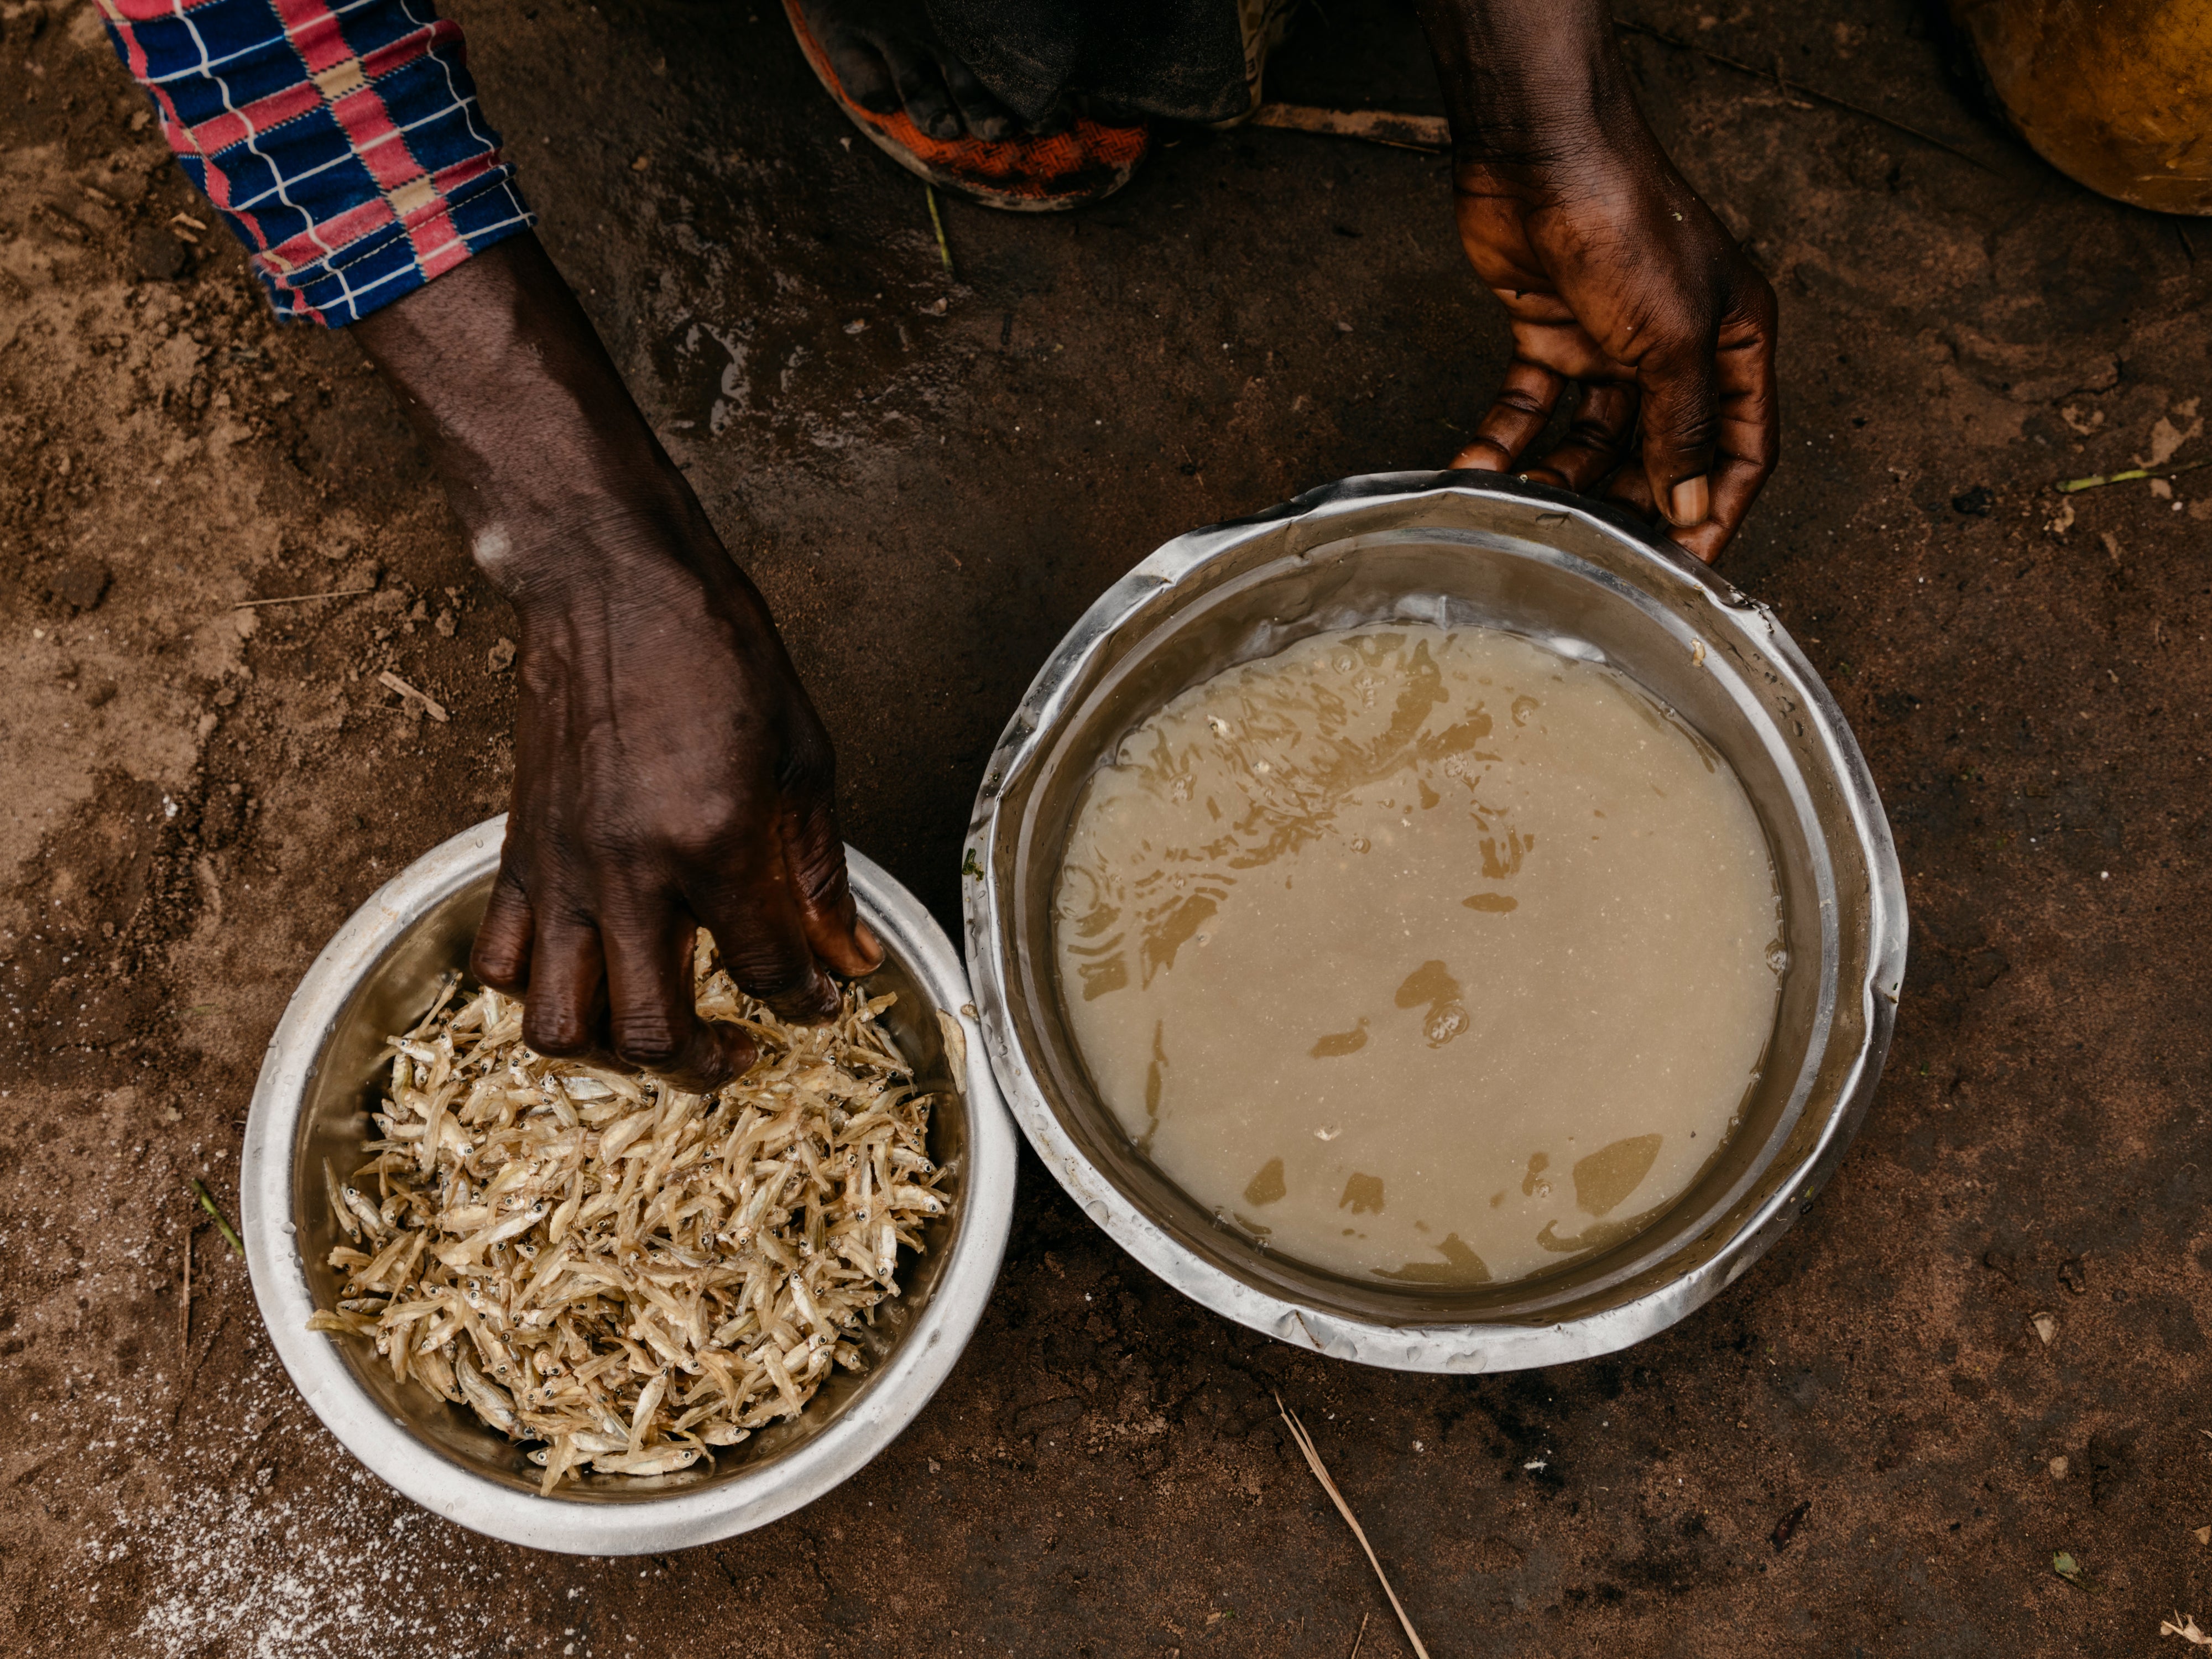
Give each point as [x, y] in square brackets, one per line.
[1180, 60]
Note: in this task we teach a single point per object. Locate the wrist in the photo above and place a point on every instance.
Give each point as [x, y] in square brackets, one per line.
[1528, 82]
[547, 460]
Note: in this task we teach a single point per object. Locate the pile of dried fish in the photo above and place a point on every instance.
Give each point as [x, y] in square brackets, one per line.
[625, 1271]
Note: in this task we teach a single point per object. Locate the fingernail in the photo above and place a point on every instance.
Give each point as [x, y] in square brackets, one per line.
[1689, 501]
[871, 946]
[739, 1053]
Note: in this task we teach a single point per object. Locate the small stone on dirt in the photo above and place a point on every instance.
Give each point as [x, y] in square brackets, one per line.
[156, 256]
[501, 655]
[80, 583]
[1786, 1527]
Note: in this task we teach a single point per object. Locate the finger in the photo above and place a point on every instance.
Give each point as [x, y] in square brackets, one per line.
[1632, 490]
[1518, 414]
[985, 116]
[653, 1013]
[861, 70]
[1595, 439]
[755, 923]
[921, 89]
[568, 987]
[501, 956]
[1749, 431]
[1679, 422]
[814, 850]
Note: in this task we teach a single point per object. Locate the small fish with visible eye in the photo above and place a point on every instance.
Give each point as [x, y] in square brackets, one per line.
[366, 1213]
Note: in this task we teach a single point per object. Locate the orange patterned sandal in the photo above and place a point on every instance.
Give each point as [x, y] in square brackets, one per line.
[1030, 174]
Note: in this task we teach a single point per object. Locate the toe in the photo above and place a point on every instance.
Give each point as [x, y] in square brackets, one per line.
[921, 89]
[860, 69]
[1056, 119]
[986, 117]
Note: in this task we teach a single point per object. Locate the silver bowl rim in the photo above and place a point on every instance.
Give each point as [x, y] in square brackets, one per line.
[923, 1359]
[1435, 1347]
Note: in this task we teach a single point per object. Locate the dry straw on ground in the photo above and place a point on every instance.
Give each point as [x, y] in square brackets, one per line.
[1320, 1474]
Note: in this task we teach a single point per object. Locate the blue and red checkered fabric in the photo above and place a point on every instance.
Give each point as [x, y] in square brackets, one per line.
[340, 138]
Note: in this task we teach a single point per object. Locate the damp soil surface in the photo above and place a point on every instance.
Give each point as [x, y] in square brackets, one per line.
[1984, 1346]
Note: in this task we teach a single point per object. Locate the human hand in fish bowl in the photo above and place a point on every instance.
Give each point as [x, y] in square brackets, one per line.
[670, 772]
[1617, 278]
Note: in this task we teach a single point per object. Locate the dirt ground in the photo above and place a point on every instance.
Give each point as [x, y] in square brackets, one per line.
[1864, 1448]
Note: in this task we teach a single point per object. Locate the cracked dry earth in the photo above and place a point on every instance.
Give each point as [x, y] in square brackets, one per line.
[1865, 1447]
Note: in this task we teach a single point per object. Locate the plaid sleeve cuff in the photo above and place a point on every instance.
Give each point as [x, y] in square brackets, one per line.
[340, 139]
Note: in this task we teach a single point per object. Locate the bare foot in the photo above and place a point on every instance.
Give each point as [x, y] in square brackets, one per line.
[888, 57]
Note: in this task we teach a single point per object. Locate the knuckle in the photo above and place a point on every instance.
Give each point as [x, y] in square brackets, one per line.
[810, 760]
[772, 975]
[703, 826]
[498, 964]
[649, 1043]
[1755, 296]
[820, 872]
[1686, 429]
[1678, 335]
[558, 1032]
[605, 838]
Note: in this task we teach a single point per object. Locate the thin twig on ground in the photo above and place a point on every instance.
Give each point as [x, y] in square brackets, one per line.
[2098, 480]
[1320, 1474]
[207, 1203]
[301, 598]
[184, 1318]
[1429, 133]
[1789, 86]
[1361, 1635]
[428, 704]
[937, 219]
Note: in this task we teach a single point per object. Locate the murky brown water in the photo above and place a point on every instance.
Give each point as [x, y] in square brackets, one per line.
[1424, 955]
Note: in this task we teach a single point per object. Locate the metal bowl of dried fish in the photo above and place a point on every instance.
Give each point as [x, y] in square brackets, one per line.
[1452, 550]
[585, 1310]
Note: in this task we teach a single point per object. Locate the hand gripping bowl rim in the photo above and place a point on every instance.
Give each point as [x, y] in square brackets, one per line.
[867, 1424]
[1476, 1346]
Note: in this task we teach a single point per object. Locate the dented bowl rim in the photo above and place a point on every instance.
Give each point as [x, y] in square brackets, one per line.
[943, 1324]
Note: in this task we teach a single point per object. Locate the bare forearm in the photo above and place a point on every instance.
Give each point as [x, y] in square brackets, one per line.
[547, 459]
[1521, 78]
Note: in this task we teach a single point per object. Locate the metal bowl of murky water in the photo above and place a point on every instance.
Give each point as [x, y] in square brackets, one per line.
[1454, 548]
[375, 978]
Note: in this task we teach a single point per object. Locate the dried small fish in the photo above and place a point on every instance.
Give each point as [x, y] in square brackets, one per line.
[617, 1272]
